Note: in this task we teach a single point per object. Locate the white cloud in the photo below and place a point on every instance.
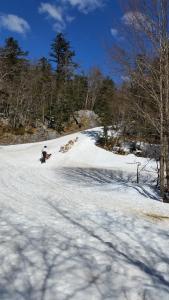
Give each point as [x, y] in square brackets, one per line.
[85, 6]
[52, 11]
[70, 19]
[59, 27]
[14, 23]
[59, 13]
[55, 13]
[114, 32]
[135, 19]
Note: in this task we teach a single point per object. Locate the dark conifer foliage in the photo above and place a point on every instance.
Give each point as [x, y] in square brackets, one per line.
[50, 89]
[12, 51]
[62, 55]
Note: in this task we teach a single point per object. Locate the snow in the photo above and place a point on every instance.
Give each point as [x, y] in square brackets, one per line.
[79, 227]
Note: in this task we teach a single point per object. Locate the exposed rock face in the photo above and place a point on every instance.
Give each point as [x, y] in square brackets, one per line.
[39, 134]
[84, 119]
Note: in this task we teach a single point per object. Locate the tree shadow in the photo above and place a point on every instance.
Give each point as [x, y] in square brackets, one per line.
[93, 134]
[100, 177]
[86, 257]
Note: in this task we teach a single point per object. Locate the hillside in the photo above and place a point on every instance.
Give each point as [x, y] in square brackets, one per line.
[79, 227]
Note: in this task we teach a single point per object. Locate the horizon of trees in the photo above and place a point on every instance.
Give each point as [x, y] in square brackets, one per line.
[50, 88]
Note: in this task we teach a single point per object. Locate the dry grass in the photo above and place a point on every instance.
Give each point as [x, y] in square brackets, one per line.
[4, 129]
[18, 131]
[157, 217]
[30, 130]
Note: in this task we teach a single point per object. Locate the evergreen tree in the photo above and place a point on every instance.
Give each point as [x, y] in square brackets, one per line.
[105, 104]
[12, 52]
[62, 55]
[12, 67]
[42, 74]
[44, 68]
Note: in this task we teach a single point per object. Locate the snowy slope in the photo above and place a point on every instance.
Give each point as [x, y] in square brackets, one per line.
[79, 227]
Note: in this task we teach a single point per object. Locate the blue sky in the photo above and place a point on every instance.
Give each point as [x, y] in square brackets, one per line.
[87, 24]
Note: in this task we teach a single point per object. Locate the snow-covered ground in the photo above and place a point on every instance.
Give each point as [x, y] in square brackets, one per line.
[79, 227]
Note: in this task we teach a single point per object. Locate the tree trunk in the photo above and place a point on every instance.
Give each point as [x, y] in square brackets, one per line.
[162, 168]
[167, 163]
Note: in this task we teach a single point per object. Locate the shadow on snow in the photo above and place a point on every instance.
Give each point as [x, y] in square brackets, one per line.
[93, 260]
[100, 177]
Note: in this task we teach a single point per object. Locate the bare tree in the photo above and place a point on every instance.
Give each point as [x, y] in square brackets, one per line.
[145, 61]
[95, 79]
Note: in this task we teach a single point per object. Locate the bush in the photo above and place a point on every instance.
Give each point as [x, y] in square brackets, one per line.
[4, 129]
[30, 130]
[108, 143]
[19, 131]
[121, 151]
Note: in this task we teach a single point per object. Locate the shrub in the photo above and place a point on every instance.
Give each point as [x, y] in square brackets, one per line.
[19, 131]
[30, 130]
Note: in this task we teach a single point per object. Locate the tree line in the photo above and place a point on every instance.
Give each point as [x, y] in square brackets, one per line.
[51, 88]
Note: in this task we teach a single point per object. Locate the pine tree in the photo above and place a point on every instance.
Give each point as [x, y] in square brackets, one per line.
[62, 56]
[45, 68]
[12, 52]
[105, 104]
